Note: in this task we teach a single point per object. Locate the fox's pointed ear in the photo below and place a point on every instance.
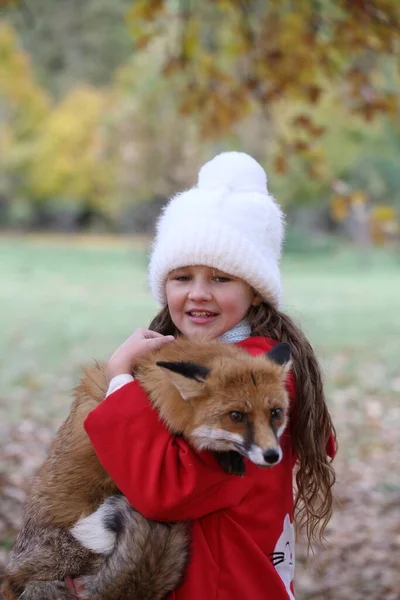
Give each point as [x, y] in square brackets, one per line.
[187, 377]
[281, 355]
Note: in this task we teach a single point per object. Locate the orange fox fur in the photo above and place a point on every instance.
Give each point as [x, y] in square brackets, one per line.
[208, 392]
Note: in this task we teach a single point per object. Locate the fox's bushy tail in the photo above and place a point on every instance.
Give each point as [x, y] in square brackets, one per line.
[142, 559]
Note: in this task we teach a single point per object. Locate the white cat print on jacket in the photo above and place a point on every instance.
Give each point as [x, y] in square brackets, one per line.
[283, 556]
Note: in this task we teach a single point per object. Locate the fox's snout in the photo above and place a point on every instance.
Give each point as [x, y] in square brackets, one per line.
[264, 458]
[217, 439]
[271, 457]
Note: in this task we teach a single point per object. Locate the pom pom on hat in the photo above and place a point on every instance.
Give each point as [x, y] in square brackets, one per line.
[235, 171]
[228, 221]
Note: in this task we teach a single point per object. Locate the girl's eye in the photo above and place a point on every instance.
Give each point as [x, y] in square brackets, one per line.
[221, 279]
[182, 278]
[237, 417]
[276, 413]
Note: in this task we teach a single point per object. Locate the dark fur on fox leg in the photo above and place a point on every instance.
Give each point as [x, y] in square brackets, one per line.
[232, 462]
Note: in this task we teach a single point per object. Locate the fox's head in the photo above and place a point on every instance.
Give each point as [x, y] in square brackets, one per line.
[232, 401]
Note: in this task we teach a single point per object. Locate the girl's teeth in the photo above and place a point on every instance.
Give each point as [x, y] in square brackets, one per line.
[201, 314]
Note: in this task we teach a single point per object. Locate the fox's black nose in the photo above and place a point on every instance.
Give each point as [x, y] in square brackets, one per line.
[271, 456]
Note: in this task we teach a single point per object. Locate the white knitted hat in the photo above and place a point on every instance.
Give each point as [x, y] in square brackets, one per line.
[228, 221]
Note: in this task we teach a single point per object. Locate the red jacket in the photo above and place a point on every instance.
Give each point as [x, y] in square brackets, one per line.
[242, 533]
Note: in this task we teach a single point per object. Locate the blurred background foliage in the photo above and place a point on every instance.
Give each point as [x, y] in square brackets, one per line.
[108, 108]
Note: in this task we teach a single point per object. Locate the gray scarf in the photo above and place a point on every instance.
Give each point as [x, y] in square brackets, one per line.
[240, 332]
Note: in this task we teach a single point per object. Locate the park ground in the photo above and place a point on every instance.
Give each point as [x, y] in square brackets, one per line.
[65, 302]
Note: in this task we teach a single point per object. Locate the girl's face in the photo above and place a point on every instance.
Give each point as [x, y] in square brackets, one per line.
[207, 302]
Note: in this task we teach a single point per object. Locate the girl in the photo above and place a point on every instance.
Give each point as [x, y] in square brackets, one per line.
[214, 269]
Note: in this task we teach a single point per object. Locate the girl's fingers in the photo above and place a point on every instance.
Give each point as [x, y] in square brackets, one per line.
[147, 334]
[133, 349]
[157, 342]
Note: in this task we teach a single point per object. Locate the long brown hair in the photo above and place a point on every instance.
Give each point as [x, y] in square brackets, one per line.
[311, 424]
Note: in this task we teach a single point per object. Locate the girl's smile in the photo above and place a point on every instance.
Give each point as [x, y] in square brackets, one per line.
[199, 316]
[207, 302]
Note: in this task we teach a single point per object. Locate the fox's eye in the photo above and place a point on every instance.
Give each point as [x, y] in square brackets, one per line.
[237, 417]
[276, 413]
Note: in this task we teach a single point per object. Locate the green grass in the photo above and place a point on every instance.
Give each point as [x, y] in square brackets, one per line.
[65, 302]
[344, 300]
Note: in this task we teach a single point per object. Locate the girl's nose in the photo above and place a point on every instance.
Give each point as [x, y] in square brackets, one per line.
[199, 291]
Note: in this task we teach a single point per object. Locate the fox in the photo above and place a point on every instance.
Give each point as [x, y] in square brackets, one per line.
[77, 523]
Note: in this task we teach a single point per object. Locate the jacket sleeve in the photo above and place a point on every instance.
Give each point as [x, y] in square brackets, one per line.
[159, 473]
[331, 446]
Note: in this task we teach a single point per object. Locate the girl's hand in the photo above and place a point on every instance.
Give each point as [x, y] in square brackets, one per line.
[135, 347]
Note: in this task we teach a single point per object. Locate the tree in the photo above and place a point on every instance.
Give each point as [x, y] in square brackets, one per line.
[22, 101]
[69, 162]
[23, 108]
[70, 41]
[238, 53]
